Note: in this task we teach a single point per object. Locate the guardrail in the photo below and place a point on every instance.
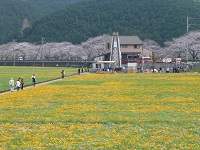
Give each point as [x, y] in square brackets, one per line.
[76, 63]
[91, 61]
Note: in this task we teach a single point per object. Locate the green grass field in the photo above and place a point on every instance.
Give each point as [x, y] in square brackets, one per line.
[41, 73]
[105, 111]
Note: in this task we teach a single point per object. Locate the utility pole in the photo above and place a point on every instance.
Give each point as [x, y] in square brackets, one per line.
[42, 52]
[188, 25]
[104, 43]
[14, 52]
[187, 47]
[154, 59]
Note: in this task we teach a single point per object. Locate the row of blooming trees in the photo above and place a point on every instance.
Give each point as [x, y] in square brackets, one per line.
[177, 48]
[52, 51]
[95, 47]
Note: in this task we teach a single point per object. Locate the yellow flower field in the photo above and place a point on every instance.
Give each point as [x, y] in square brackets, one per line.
[104, 111]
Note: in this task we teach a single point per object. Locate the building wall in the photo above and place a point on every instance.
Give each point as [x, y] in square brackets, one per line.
[99, 58]
[131, 48]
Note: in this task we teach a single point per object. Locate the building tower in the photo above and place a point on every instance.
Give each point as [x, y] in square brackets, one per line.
[115, 54]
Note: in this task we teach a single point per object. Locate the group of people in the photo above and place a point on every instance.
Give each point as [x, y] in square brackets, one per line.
[20, 83]
[174, 69]
[80, 70]
[181, 69]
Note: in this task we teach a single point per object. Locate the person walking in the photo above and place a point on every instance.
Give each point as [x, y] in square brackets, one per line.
[187, 69]
[22, 83]
[79, 71]
[12, 84]
[18, 85]
[33, 79]
[63, 73]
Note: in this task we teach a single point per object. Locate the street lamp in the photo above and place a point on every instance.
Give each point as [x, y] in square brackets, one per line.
[14, 59]
[154, 59]
[14, 52]
[42, 52]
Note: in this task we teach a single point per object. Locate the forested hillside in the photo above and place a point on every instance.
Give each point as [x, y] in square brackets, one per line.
[159, 20]
[14, 12]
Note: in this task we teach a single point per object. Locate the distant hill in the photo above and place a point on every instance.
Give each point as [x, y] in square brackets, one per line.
[159, 20]
[14, 14]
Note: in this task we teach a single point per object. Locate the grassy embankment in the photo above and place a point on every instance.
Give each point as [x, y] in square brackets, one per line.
[41, 73]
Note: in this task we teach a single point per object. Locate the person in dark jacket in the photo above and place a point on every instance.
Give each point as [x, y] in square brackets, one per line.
[79, 71]
[33, 79]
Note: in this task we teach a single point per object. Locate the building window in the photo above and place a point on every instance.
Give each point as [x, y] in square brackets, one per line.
[108, 46]
[124, 55]
[137, 56]
[133, 56]
[107, 57]
[136, 46]
[130, 56]
[124, 46]
[98, 66]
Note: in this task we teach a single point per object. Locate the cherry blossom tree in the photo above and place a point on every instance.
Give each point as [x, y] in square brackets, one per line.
[151, 45]
[177, 47]
[194, 44]
[95, 47]
[154, 47]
